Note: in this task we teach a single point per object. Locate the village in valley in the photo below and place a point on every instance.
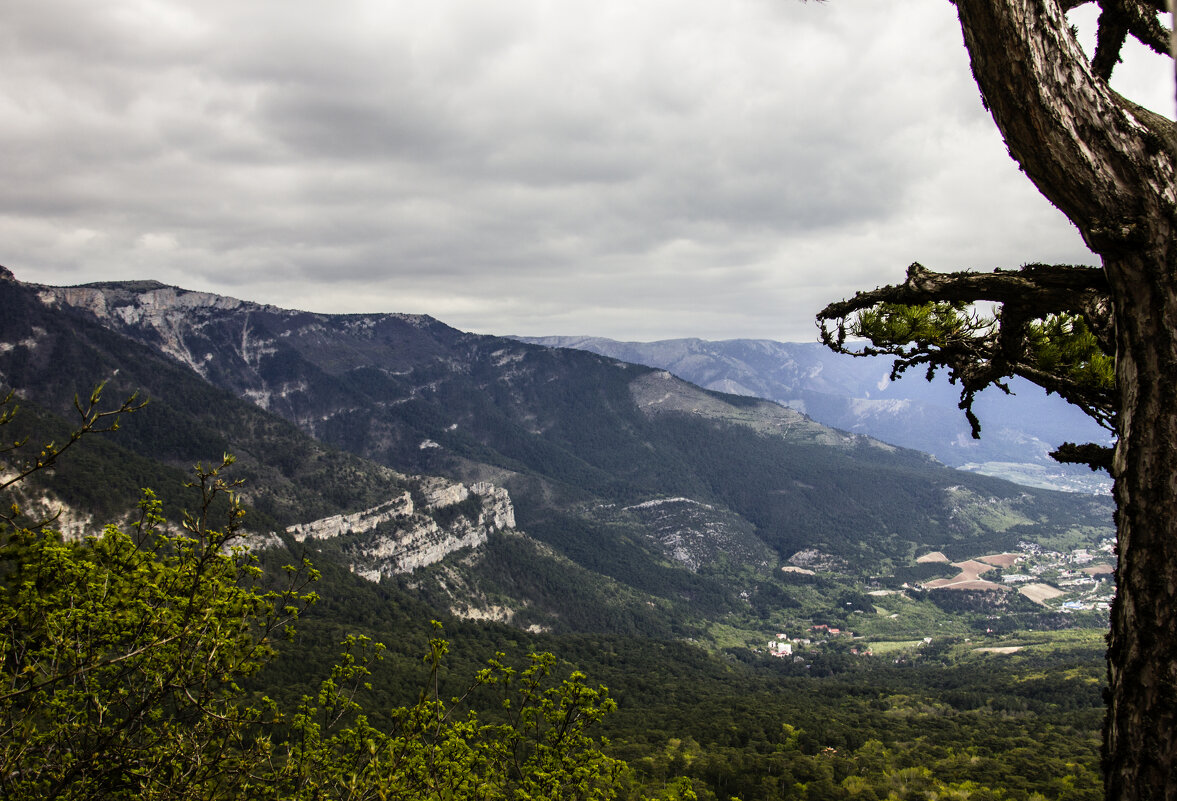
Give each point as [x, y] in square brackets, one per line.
[1079, 580]
[1074, 581]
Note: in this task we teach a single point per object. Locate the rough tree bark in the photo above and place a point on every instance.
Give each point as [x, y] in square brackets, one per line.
[1110, 166]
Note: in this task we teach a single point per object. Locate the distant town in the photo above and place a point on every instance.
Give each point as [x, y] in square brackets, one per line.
[1078, 580]
[1072, 581]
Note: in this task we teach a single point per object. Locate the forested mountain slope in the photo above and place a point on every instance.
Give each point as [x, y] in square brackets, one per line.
[587, 446]
[858, 395]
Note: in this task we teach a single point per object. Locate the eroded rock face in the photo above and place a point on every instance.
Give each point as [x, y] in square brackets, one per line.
[401, 535]
[165, 310]
[695, 534]
[356, 523]
[270, 356]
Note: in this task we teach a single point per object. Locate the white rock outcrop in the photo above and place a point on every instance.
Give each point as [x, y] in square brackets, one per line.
[354, 523]
[398, 536]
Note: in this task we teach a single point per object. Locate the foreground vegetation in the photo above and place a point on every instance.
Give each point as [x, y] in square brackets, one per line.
[920, 721]
[161, 660]
[122, 658]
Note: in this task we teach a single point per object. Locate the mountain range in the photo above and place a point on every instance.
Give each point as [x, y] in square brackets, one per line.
[548, 488]
[1020, 429]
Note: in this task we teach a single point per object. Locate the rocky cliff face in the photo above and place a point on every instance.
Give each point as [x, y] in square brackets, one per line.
[415, 529]
[269, 356]
[169, 313]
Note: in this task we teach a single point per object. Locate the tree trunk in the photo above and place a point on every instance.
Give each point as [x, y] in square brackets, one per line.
[1110, 166]
[1140, 734]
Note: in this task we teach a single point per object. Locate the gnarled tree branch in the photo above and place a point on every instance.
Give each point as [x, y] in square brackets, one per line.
[1054, 328]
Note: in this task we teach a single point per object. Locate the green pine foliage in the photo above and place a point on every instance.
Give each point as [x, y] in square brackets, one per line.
[944, 324]
[1064, 344]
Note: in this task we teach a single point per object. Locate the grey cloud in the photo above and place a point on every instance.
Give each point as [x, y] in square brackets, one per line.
[612, 168]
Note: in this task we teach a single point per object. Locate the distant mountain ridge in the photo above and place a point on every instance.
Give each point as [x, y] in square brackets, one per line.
[857, 394]
[641, 503]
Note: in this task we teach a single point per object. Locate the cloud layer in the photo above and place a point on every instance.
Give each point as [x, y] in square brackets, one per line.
[635, 170]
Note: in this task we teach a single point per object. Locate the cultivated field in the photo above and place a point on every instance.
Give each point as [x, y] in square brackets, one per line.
[969, 578]
[1040, 593]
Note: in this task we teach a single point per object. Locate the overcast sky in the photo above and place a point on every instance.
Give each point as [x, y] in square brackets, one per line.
[638, 169]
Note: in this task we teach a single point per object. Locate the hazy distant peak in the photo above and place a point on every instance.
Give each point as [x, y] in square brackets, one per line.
[858, 395]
